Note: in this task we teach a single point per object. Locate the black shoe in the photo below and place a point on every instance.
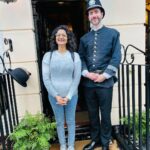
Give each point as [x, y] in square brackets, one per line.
[91, 145]
[105, 148]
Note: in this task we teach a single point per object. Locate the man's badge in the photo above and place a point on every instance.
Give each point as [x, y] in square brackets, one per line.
[92, 2]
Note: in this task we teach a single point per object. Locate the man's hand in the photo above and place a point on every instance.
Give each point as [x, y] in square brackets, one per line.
[92, 76]
[60, 100]
[100, 78]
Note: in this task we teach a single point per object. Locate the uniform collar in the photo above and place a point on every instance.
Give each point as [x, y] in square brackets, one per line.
[96, 28]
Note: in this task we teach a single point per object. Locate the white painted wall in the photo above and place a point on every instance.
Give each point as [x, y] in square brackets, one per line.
[16, 16]
[16, 22]
[120, 12]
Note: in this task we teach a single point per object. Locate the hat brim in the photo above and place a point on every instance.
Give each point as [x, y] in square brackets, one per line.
[14, 77]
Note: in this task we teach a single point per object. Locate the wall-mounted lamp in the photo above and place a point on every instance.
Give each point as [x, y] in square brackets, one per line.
[8, 1]
[20, 75]
[60, 3]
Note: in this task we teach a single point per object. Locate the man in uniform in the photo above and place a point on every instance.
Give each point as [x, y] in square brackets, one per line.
[100, 53]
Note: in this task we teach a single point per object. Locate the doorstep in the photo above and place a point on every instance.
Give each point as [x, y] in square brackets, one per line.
[80, 144]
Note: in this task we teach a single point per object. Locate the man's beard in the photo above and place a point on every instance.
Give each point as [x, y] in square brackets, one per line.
[92, 26]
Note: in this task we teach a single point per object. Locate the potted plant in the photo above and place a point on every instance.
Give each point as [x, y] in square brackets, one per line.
[34, 132]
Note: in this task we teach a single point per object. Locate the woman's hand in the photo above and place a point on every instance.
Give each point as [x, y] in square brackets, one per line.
[66, 99]
[60, 100]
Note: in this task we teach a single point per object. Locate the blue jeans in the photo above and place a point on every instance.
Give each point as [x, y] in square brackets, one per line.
[65, 112]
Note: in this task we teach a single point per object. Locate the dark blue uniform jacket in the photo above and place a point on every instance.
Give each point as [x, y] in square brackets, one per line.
[101, 50]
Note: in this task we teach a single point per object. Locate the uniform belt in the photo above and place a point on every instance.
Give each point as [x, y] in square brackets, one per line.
[98, 71]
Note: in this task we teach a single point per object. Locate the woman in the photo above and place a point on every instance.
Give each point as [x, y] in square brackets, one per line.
[61, 69]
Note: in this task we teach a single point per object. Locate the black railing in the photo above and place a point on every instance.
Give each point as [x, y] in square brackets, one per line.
[8, 107]
[134, 103]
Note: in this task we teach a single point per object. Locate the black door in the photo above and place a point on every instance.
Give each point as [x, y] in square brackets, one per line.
[47, 15]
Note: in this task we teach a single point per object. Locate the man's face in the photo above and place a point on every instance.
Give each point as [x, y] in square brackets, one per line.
[95, 16]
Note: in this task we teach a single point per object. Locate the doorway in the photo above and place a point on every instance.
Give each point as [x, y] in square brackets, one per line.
[48, 14]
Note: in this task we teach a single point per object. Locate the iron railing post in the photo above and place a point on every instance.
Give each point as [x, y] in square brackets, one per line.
[131, 133]
[8, 107]
[148, 107]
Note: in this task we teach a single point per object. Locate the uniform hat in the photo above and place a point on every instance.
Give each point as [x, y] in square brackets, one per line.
[94, 4]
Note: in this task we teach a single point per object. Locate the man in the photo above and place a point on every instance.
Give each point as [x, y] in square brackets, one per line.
[100, 53]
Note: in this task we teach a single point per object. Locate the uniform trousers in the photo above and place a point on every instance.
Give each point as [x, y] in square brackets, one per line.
[99, 103]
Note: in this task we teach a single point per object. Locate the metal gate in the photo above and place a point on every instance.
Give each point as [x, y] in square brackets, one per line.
[133, 131]
[8, 107]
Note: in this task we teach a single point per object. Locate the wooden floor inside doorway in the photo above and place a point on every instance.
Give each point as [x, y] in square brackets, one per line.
[80, 144]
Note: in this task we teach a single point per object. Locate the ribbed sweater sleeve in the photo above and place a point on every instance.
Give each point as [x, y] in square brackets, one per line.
[76, 76]
[46, 75]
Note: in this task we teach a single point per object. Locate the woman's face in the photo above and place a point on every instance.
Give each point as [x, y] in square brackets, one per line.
[61, 37]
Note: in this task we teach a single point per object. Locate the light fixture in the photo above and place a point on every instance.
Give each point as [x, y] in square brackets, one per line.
[8, 1]
[20, 75]
[60, 3]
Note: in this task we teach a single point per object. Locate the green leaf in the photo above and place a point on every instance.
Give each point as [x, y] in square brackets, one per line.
[143, 121]
[33, 133]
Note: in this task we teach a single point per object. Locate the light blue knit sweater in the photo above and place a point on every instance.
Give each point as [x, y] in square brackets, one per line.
[61, 75]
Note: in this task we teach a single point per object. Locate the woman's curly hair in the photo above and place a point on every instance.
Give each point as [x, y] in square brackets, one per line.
[71, 43]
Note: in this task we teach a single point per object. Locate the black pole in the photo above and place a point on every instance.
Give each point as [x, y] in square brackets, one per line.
[147, 107]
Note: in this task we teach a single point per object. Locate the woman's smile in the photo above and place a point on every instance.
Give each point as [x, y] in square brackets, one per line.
[61, 37]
